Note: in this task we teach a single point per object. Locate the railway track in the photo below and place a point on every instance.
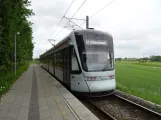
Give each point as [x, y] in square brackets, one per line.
[119, 108]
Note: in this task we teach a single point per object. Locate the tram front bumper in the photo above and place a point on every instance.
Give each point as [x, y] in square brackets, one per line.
[101, 85]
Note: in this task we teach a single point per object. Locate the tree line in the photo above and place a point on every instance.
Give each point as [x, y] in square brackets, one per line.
[14, 18]
[152, 58]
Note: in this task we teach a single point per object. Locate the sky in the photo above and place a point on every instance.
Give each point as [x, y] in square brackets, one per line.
[134, 24]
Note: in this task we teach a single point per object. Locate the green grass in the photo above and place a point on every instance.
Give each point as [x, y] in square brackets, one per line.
[7, 80]
[152, 64]
[142, 80]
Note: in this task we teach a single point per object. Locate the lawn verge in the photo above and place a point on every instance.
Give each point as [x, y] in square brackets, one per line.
[8, 79]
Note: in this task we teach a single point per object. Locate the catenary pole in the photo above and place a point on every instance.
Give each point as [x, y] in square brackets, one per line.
[87, 22]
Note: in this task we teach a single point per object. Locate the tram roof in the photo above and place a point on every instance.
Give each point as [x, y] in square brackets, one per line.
[85, 31]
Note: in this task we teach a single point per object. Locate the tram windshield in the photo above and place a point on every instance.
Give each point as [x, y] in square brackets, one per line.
[96, 52]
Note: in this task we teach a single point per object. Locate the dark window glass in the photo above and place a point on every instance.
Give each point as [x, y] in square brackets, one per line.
[96, 52]
[75, 66]
[59, 60]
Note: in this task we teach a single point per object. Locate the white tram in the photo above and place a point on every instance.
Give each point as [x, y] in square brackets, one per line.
[83, 61]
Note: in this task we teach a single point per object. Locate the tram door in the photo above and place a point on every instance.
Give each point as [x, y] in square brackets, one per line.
[47, 63]
[66, 70]
[54, 64]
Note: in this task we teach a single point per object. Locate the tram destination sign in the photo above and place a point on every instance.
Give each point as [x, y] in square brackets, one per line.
[98, 42]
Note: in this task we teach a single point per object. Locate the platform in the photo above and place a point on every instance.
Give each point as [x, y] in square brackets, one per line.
[36, 95]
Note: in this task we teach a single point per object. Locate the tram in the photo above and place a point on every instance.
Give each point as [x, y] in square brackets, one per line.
[83, 61]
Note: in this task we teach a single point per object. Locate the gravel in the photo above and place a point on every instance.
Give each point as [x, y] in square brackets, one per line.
[122, 110]
[140, 101]
[95, 111]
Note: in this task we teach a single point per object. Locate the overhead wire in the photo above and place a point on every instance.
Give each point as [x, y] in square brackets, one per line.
[99, 10]
[62, 17]
[79, 8]
[76, 13]
[71, 18]
[73, 23]
[102, 8]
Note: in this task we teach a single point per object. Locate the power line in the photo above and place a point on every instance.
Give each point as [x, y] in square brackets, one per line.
[62, 17]
[65, 26]
[99, 10]
[59, 32]
[73, 22]
[71, 17]
[102, 8]
[79, 8]
[81, 24]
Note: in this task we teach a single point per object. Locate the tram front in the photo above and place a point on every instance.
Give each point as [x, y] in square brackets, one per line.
[96, 54]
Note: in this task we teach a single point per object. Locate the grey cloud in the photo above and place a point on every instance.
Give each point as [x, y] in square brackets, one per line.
[128, 46]
[138, 34]
[153, 51]
[135, 31]
[45, 22]
[48, 13]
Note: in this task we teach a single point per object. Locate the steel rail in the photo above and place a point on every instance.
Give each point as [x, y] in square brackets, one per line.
[125, 100]
[139, 106]
[101, 110]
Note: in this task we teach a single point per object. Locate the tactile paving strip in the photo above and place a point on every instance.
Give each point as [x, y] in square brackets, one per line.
[34, 113]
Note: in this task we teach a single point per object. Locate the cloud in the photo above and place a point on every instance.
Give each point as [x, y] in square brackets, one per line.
[138, 34]
[134, 24]
[138, 48]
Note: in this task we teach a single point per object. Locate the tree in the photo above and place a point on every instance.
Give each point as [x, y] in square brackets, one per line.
[155, 58]
[13, 18]
[145, 59]
[119, 59]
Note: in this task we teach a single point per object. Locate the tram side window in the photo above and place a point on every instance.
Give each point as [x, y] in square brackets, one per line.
[56, 60]
[75, 66]
[61, 60]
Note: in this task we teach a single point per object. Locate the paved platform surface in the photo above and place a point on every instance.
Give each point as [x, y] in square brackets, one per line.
[36, 95]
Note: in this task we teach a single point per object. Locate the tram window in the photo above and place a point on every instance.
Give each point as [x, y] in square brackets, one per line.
[61, 60]
[75, 66]
[57, 60]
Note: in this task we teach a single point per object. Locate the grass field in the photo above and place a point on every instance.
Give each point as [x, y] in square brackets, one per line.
[140, 79]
